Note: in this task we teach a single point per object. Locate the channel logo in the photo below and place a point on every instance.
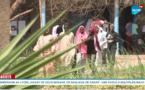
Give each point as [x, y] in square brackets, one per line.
[136, 9]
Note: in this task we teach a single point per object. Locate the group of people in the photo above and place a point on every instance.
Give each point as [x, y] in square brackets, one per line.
[97, 44]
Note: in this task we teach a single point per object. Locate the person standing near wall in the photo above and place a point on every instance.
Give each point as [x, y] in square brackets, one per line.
[103, 43]
[81, 35]
[43, 40]
[92, 48]
[66, 42]
[134, 34]
[112, 38]
[129, 41]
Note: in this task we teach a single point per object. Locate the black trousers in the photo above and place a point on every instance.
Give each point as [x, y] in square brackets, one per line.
[110, 51]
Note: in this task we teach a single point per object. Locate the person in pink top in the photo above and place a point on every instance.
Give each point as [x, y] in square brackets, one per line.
[43, 40]
[81, 35]
[58, 31]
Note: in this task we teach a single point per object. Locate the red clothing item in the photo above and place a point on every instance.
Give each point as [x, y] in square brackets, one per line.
[96, 42]
[129, 42]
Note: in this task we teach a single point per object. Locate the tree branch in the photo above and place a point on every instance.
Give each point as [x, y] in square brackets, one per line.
[15, 6]
[20, 14]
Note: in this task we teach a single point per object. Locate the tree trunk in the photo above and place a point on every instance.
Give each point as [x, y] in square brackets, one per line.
[4, 23]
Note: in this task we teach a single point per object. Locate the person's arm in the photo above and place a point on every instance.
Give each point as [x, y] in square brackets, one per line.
[97, 42]
[37, 46]
[108, 23]
[115, 37]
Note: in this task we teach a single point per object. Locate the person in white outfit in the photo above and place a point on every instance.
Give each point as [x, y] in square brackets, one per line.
[102, 41]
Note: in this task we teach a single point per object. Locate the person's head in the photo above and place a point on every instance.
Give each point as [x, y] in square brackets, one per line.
[66, 26]
[47, 32]
[91, 31]
[112, 27]
[81, 30]
[94, 18]
[59, 30]
[97, 28]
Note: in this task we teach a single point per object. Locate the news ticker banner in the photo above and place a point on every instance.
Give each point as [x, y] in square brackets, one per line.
[72, 82]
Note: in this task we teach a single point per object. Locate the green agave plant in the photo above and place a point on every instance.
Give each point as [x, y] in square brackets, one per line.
[28, 67]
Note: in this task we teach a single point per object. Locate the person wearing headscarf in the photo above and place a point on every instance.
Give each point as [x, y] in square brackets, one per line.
[82, 49]
[92, 48]
[54, 30]
[43, 40]
[112, 39]
[58, 61]
[58, 31]
[66, 42]
[102, 40]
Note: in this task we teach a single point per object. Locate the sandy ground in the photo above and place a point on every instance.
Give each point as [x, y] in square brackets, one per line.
[127, 60]
[124, 61]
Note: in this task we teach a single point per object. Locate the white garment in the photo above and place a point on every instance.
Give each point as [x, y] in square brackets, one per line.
[143, 28]
[102, 40]
[87, 27]
[66, 42]
[54, 30]
[102, 37]
[110, 41]
[102, 22]
[63, 28]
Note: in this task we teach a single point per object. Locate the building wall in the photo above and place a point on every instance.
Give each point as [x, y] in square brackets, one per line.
[4, 23]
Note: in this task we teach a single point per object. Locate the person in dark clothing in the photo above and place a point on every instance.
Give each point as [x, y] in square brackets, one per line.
[92, 47]
[112, 38]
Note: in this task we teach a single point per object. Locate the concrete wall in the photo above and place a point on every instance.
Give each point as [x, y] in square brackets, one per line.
[4, 23]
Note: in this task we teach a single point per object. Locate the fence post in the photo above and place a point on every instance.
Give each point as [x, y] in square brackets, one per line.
[116, 21]
[42, 8]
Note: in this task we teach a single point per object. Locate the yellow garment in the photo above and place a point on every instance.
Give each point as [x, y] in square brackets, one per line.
[66, 42]
[42, 41]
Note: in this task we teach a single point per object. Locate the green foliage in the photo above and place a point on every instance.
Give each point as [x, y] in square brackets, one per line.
[11, 63]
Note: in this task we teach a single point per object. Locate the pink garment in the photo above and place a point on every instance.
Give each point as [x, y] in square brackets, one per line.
[127, 25]
[56, 44]
[95, 22]
[96, 42]
[79, 38]
[127, 33]
[54, 30]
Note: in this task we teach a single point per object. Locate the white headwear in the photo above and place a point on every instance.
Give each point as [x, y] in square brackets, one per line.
[101, 30]
[54, 30]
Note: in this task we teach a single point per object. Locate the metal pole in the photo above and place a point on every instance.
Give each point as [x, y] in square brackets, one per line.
[42, 8]
[116, 21]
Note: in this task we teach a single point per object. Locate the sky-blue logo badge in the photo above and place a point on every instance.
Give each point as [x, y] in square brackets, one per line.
[135, 9]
